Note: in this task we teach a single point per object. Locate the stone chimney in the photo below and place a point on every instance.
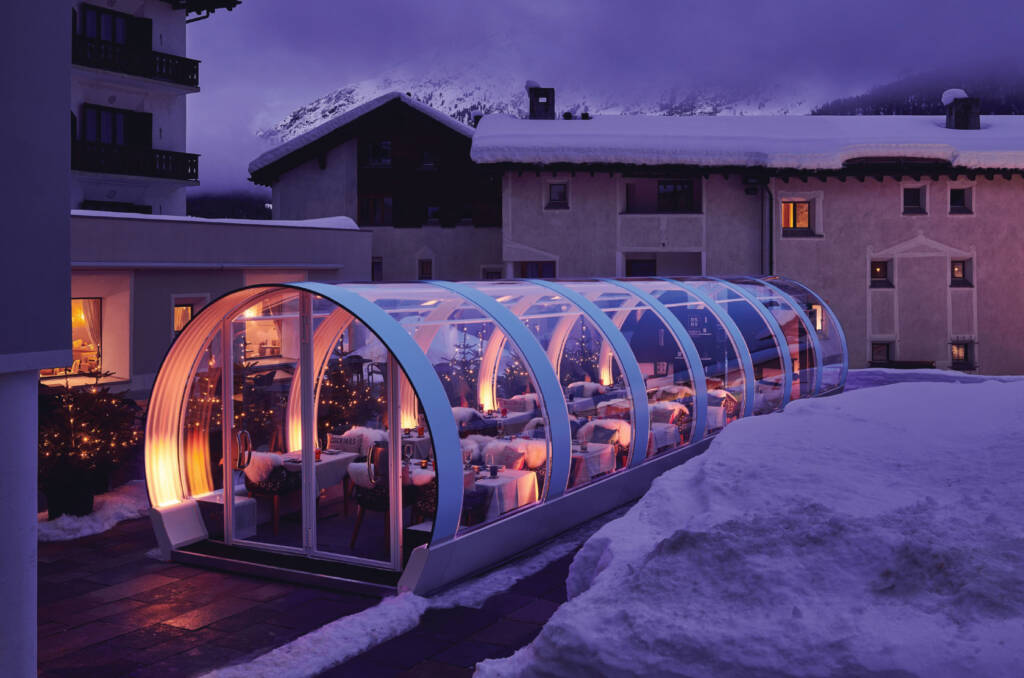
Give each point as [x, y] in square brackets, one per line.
[962, 111]
[542, 101]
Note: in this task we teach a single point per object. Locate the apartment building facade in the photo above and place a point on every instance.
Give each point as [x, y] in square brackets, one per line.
[908, 226]
[140, 269]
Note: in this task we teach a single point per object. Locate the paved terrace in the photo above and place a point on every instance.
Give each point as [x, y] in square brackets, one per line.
[106, 609]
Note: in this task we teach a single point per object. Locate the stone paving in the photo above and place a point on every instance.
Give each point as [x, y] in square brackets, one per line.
[106, 609]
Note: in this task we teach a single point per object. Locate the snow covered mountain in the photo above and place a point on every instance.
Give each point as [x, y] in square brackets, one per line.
[493, 82]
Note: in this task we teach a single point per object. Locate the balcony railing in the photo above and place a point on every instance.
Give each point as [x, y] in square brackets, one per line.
[88, 156]
[111, 56]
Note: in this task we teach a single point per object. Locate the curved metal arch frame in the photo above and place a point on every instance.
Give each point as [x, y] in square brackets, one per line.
[839, 327]
[742, 350]
[630, 368]
[425, 382]
[776, 329]
[552, 398]
[697, 375]
[819, 364]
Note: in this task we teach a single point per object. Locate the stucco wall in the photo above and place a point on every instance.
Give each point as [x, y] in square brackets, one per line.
[308, 192]
[594, 236]
[864, 220]
[458, 253]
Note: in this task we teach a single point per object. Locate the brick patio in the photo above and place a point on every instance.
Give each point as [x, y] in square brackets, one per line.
[106, 609]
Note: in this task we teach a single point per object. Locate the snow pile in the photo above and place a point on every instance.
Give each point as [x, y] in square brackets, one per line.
[809, 142]
[123, 503]
[876, 532]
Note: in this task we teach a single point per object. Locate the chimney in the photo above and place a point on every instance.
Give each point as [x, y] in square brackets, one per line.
[962, 111]
[542, 101]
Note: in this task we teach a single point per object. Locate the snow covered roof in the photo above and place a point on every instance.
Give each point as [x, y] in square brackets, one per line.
[774, 141]
[339, 121]
[341, 223]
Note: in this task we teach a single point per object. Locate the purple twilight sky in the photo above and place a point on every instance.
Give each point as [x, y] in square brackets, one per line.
[268, 57]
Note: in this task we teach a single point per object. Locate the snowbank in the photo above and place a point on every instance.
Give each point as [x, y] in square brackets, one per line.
[123, 503]
[881, 530]
[808, 142]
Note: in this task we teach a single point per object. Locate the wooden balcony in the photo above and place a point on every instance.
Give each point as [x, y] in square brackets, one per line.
[87, 156]
[111, 56]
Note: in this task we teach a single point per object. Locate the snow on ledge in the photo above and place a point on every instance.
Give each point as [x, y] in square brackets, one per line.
[338, 121]
[811, 142]
[337, 223]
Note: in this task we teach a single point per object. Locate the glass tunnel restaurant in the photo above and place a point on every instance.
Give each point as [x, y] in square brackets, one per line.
[409, 434]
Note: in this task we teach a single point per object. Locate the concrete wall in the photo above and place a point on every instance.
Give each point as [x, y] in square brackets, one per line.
[458, 253]
[35, 46]
[921, 314]
[309, 192]
[595, 236]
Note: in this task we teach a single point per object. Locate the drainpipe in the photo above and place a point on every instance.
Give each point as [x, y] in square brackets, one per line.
[767, 243]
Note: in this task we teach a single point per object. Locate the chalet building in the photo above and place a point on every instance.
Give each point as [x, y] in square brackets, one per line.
[908, 225]
[402, 170]
[140, 269]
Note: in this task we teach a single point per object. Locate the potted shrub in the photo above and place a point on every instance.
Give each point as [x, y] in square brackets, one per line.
[84, 433]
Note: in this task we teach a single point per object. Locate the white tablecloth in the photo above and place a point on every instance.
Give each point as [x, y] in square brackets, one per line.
[330, 470]
[662, 436]
[599, 458]
[510, 490]
[421, 447]
[532, 451]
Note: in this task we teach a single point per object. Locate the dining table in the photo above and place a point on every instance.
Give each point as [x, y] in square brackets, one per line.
[330, 470]
[590, 461]
[420, 446]
[508, 490]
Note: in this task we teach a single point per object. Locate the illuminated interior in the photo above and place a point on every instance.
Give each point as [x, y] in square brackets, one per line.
[370, 422]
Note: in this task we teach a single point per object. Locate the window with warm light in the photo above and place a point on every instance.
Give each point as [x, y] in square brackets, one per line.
[796, 217]
[959, 273]
[425, 269]
[960, 355]
[86, 339]
[182, 314]
[535, 269]
[880, 274]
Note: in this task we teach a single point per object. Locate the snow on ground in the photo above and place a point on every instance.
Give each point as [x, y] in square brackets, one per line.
[122, 503]
[350, 636]
[876, 532]
[878, 376]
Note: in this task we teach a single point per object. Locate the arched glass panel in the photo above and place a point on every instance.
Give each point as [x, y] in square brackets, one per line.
[825, 325]
[491, 390]
[573, 345]
[720, 358]
[765, 352]
[798, 335]
[670, 393]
